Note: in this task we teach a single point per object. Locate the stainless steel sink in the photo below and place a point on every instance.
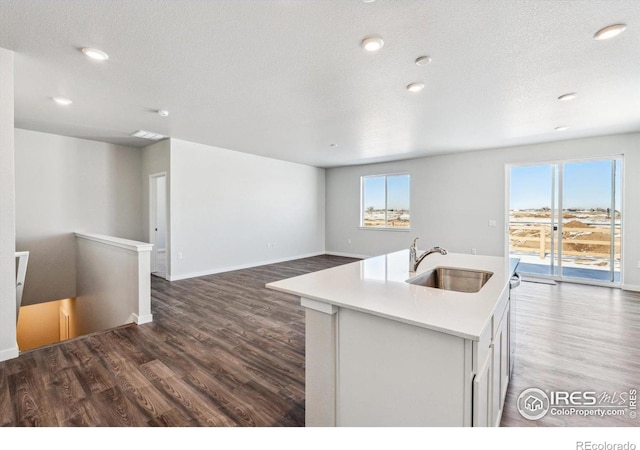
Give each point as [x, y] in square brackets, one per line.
[452, 279]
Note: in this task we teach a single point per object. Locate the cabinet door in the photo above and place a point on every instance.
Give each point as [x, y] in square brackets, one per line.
[500, 369]
[495, 377]
[482, 394]
[505, 370]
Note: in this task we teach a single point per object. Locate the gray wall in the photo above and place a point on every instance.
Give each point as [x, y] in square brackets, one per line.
[64, 185]
[8, 344]
[454, 196]
[228, 207]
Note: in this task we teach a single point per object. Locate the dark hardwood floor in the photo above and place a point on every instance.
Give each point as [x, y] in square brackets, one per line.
[225, 351]
[222, 351]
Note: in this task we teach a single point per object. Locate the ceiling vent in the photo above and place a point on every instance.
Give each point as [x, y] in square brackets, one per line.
[147, 135]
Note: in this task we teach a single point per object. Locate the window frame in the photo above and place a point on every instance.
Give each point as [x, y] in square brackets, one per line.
[386, 199]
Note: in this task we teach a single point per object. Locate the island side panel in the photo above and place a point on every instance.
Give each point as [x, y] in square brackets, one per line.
[394, 374]
[320, 371]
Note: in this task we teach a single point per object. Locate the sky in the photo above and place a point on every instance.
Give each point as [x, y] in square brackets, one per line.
[586, 185]
[398, 192]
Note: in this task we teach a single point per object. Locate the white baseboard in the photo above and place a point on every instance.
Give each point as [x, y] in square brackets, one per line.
[9, 353]
[146, 318]
[631, 287]
[348, 255]
[240, 267]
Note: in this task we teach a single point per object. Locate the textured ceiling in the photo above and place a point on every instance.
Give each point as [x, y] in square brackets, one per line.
[286, 79]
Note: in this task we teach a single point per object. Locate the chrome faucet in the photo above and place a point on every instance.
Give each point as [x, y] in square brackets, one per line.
[414, 260]
[413, 256]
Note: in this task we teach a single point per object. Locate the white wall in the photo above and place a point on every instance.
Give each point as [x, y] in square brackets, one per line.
[454, 196]
[227, 206]
[66, 185]
[8, 344]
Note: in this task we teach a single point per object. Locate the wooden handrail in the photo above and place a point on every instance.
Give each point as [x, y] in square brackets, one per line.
[543, 237]
[22, 259]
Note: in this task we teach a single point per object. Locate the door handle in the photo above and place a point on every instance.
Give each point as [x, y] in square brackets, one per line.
[515, 281]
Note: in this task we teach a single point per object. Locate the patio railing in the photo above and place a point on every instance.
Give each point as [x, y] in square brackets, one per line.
[572, 245]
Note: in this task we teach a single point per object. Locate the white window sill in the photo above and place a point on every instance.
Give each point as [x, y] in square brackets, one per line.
[386, 229]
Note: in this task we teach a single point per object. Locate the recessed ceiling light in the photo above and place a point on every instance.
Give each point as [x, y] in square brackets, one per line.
[372, 43]
[423, 60]
[62, 101]
[567, 97]
[96, 54]
[415, 87]
[563, 128]
[609, 32]
[147, 135]
[163, 112]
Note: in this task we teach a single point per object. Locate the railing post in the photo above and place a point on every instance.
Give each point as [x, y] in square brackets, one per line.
[542, 242]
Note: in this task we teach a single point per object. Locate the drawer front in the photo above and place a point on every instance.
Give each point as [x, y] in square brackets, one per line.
[481, 349]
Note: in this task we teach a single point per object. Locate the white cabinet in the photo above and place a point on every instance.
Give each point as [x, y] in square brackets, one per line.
[482, 394]
[500, 369]
[505, 348]
[393, 374]
[370, 371]
[491, 378]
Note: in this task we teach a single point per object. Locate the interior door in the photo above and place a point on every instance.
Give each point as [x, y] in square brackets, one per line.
[158, 219]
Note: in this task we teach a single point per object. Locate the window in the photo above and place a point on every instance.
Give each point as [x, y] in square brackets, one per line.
[385, 201]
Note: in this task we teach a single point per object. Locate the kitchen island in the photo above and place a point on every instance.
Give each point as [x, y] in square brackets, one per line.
[381, 351]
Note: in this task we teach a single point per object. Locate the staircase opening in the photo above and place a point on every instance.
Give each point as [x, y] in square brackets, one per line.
[46, 323]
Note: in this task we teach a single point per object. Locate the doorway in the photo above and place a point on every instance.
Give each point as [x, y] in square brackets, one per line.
[158, 224]
[565, 220]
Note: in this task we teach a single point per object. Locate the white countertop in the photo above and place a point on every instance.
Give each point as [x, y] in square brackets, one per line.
[378, 286]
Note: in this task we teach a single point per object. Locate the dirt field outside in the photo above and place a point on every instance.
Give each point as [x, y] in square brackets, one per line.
[586, 235]
[394, 218]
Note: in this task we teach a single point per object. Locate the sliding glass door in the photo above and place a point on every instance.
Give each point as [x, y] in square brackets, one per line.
[565, 220]
[533, 218]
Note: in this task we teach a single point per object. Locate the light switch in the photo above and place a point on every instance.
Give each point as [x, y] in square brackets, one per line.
[492, 223]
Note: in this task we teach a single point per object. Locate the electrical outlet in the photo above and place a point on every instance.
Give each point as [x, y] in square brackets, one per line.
[273, 245]
[269, 245]
[349, 242]
[492, 223]
[179, 255]
[473, 251]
